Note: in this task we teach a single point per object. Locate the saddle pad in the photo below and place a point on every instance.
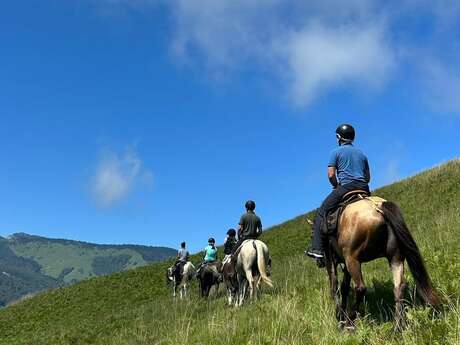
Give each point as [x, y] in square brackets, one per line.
[332, 218]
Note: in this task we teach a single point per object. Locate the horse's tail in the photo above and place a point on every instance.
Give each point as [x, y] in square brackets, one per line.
[262, 259]
[394, 218]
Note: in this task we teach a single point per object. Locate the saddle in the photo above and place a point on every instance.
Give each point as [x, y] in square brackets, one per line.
[234, 255]
[332, 217]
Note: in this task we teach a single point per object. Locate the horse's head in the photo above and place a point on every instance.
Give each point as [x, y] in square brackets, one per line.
[169, 274]
[311, 223]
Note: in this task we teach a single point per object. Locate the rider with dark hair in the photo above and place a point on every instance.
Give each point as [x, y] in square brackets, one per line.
[250, 225]
[181, 259]
[230, 241]
[348, 170]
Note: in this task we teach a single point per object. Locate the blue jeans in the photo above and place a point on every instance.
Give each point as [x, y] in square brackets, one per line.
[332, 201]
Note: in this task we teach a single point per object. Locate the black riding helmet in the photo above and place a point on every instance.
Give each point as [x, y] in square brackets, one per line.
[231, 232]
[211, 240]
[345, 132]
[250, 205]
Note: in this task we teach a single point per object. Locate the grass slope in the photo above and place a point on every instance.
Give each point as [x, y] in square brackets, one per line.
[134, 307]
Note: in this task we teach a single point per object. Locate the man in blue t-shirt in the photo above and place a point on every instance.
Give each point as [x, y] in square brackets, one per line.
[348, 170]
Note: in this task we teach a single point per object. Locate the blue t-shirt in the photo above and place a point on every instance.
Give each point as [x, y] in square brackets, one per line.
[351, 164]
[211, 254]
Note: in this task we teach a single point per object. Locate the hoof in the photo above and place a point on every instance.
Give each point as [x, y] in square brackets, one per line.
[350, 328]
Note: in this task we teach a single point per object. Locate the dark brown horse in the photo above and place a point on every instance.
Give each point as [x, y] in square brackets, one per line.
[369, 229]
[208, 276]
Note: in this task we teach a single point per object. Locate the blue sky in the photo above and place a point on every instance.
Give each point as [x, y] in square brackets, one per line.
[152, 122]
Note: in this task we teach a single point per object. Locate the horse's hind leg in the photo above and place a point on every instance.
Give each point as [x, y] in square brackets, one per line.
[241, 291]
[354, 267]
[397, 270]
[251, 284]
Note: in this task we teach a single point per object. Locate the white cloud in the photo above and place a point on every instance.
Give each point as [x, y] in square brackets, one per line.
[321, 44]
[319, 58]
[316, 46]
[116, 176]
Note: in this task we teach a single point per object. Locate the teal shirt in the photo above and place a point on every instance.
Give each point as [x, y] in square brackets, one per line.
[211, 253]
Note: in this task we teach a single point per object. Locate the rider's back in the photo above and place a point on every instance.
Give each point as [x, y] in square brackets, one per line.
[351, 164]
[183, 255]
[211, 253]
[251, 224]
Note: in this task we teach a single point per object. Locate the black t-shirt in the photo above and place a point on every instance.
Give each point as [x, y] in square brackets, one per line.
[229, 244]
[250, 225]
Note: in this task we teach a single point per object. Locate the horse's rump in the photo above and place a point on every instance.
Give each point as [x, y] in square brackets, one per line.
[254, 256]
[209, 275]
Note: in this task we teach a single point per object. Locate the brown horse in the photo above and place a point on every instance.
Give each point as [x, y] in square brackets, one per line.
[368, 229]
[208, 276]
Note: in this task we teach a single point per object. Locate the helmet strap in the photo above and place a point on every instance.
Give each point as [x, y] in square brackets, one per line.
[343, 141]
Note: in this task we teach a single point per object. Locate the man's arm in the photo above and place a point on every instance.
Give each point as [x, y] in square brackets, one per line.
[331, 176]
[240, 227]
[367, 172]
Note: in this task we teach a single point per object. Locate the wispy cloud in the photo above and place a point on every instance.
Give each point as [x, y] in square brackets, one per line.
[441, 85]
[117, 175]
[319, 58]
[313, 47]
[310, 47]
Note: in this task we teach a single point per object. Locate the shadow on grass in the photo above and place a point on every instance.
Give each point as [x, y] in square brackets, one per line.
[379, 302]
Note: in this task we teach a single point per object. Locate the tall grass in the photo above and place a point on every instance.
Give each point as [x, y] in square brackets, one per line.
[136, 308]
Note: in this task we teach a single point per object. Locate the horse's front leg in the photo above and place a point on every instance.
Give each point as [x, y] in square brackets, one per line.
[331, 267]
[217, 290]
[183, 291]
[229, 296]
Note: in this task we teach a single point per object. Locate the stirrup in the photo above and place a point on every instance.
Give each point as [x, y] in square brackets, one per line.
[320, 262]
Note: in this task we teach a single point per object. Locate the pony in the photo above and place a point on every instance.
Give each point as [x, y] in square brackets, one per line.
[251, 267]
[181, 278]
[230, 279]
[209, 276]
[368, 229]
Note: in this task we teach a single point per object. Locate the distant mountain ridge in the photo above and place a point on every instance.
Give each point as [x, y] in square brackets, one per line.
[30, 263]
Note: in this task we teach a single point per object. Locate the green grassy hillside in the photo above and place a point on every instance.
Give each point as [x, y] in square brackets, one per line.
[33, 263]
[134, 307]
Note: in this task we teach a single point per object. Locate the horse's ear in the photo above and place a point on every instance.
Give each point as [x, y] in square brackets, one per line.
[309, 221]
